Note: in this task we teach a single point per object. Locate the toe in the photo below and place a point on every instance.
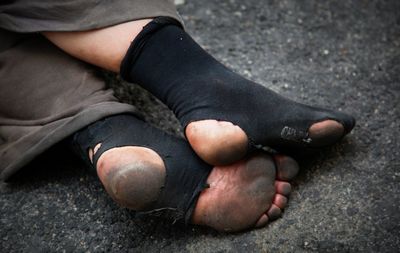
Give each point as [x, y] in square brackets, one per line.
[325, 133]
[274, 212]
[287, 167]
[349, 123]
[283, 187]
[262, 221]
[280, 201]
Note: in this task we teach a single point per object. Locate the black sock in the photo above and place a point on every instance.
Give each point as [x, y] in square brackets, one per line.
[186, 173]
[167, 62]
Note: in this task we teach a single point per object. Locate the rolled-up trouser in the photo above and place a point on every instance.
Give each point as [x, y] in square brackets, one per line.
[45, 94]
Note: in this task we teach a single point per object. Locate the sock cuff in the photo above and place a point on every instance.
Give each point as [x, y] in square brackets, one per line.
[139, 42]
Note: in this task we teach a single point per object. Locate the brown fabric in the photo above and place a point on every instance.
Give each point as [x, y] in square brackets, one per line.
[45, 95]
[76, 15]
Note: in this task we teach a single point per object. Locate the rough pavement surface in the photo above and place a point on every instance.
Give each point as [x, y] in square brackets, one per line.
[337, 54]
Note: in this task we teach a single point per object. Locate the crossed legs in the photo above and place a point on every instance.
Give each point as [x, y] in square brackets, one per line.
[245, 190]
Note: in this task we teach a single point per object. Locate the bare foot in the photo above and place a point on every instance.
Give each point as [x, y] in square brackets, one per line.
[221, 142]
[246, 194]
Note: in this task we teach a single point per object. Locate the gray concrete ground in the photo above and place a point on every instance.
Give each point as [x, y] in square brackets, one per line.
[337, 54]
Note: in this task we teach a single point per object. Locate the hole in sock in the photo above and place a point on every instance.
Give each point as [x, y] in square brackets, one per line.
[133, 176]
[93, 151]
[325, 133]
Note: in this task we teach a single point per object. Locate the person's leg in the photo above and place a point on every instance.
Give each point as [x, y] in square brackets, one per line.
[224, 115]
[45, 96]
[105, 47]
[144, 169]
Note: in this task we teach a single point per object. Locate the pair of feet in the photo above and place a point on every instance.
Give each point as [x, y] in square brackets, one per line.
[225, 118]
[247, 193]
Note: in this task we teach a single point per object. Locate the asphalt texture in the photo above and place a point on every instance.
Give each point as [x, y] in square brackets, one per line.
[343, 55]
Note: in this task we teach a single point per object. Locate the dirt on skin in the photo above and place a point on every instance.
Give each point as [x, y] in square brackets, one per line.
[343, 55]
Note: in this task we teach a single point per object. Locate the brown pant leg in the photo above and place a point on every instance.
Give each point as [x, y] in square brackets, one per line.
[45, 96]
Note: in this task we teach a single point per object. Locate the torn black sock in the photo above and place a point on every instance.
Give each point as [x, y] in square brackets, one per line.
[167, 62]
[186, 173]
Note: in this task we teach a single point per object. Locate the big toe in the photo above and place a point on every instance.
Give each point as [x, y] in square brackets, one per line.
[327, 132]
[286, 167]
